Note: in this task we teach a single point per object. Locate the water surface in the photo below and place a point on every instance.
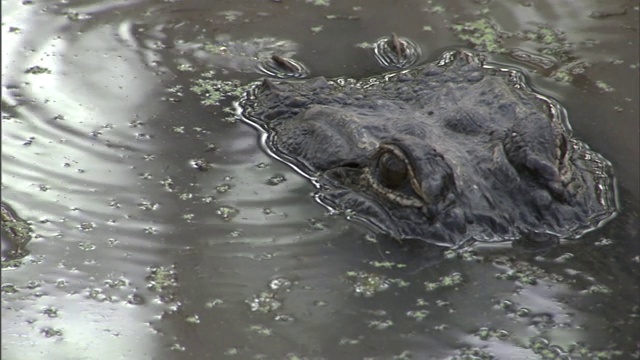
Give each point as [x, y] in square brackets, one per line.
[162, 229]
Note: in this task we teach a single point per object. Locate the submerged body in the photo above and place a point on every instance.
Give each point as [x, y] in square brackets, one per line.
[446, 152]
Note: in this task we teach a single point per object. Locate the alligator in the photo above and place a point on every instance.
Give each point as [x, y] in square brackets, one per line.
[16, 234]
[451, 152]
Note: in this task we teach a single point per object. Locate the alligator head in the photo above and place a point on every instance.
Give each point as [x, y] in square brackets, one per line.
[447, 152]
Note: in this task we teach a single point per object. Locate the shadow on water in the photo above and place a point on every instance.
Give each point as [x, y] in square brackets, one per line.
[161, 230]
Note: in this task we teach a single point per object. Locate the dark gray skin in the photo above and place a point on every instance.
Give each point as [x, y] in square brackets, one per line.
[449, 152]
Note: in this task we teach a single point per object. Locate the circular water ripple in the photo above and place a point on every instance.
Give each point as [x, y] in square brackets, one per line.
[396, 52]
[283, 68]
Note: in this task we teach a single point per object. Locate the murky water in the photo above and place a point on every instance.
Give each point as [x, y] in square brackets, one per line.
[162, 230]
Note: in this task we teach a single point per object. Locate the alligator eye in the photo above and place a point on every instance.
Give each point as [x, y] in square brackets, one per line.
[393, 171]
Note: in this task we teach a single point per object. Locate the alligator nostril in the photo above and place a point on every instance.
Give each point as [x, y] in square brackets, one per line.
[396, 52]
[397, 45]
[282, 67]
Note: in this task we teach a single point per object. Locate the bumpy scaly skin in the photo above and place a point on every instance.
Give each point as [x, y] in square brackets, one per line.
[482, 157]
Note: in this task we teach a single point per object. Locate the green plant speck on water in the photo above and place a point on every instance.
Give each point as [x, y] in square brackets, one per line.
[36, 70]
[213, 91]
[318, 2]
[446, 281]
[482, 33]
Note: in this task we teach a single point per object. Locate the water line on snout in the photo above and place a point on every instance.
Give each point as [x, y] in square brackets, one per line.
[265, 142]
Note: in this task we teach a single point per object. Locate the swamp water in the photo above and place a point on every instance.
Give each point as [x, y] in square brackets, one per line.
[162, 230]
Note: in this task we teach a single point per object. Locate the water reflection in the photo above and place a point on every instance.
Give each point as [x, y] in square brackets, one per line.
[138, 254]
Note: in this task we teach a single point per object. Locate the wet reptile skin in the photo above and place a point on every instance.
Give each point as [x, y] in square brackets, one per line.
[445, 152]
